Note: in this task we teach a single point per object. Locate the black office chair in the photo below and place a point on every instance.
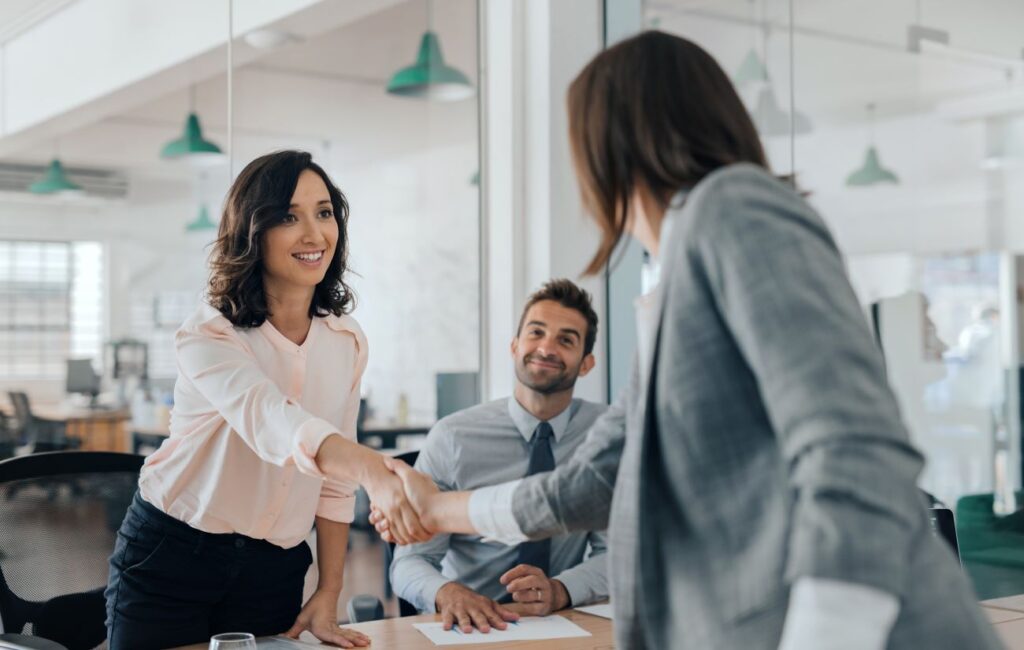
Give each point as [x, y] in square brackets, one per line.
[9, 437]
[55, 541]
[38, 434]
[367, 607]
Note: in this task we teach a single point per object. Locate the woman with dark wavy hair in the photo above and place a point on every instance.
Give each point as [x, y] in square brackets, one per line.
[262, 442]
[758, 486]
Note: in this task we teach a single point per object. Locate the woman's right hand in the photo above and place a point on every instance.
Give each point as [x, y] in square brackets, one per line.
[388, 497]
[419, 488]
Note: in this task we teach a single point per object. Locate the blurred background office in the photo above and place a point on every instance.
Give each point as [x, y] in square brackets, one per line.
[122, 123]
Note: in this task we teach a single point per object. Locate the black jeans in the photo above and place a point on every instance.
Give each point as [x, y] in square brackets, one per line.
[173, 585]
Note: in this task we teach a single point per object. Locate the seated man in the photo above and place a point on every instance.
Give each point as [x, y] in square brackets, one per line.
[541, 425]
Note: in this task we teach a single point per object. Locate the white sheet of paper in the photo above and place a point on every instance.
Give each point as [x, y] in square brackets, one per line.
[604, 611]
[533, 628]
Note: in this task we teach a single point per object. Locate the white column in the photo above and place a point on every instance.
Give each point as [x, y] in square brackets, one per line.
[533, 226]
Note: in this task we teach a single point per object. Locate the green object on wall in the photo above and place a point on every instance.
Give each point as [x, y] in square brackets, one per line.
[430, 77]
[55, 181]
[191, 144]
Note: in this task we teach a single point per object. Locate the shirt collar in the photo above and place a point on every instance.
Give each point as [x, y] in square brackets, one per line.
[652, 265]
[526, 423]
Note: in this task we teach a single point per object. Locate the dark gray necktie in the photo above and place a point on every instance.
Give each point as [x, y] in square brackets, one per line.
[542, 459]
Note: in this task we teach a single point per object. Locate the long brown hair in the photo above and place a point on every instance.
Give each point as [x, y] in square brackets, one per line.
[257, 201]
[654, 111]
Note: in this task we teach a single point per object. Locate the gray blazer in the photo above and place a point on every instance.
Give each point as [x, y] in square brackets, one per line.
[763, 445]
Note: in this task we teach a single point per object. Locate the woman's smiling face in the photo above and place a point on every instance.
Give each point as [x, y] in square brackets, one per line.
[298, 251]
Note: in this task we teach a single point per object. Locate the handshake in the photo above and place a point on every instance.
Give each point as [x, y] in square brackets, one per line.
[404, 503]
[407, 507]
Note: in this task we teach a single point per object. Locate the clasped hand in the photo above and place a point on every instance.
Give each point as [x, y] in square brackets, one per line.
[400, 504]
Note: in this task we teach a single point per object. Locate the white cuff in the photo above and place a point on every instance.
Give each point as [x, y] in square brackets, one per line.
[833, 615]
[490, 512]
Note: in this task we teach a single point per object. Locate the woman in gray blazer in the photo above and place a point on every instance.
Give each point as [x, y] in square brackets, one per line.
[757, 483]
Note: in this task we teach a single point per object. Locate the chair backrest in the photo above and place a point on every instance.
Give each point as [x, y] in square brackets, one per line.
[59, 515]
[942, 522]
[405, 608]
[22, 410]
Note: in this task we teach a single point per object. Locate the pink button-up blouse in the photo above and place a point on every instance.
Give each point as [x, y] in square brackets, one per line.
[251, 409]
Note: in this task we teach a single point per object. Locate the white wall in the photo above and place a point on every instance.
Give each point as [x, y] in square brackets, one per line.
[415, 260]
[535, 227]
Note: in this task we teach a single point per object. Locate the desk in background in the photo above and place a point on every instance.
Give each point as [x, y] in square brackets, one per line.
[98, 429]
[145, 440]
[399, 634]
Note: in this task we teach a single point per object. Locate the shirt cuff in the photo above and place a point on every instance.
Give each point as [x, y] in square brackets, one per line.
[307, 443]
[339, 509]
[490, 512]
[834, 615]
[428, 593]
[579, 592]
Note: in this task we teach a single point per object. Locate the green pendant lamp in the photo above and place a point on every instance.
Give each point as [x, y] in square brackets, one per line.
[192, 146]
[430, 77]
[871, 172]
[751, 71]
[202, 221]
[772, 120]
[55, 181]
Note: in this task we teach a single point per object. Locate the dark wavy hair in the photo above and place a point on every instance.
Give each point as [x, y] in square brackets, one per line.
[656, 111]
[258, 200]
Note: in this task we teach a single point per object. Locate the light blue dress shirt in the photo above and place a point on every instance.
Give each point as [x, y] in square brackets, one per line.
[485, 445]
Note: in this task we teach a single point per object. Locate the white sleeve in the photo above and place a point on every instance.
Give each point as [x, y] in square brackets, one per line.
[834, 615]
[490, 512]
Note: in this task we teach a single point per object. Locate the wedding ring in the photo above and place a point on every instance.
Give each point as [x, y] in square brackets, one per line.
[537, 589]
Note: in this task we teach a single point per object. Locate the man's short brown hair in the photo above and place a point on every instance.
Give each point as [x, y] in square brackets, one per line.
[567, 294]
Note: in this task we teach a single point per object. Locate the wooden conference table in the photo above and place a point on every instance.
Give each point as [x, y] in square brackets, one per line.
[1006, 615]
[399, 634]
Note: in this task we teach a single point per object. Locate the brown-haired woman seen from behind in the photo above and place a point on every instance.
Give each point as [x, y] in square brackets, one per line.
[765, 488]
[262, 442]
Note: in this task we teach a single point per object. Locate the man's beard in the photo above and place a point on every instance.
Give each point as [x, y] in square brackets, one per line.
[563, 381]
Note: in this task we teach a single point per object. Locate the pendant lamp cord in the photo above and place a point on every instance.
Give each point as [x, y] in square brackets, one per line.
[792, 96]
[871, 124]
[231, 105]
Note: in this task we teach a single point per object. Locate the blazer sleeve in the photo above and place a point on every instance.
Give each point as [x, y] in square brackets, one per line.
[779, 284]
[577, 495]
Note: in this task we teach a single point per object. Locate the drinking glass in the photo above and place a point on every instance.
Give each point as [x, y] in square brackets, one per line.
[233, 641]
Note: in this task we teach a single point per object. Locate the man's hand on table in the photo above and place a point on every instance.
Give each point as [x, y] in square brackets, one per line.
[460, 605]
[534, 593]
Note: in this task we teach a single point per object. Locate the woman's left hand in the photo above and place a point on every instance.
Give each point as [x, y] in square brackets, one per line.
[320, 616]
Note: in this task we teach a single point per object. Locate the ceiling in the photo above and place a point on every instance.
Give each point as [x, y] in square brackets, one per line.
[850, 53]
[326, 87]
[18, 15]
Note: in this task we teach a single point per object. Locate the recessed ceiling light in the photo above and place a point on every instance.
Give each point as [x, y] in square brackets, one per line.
[269, 39]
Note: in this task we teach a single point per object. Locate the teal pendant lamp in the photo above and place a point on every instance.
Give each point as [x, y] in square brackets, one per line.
[55, 181]
[192, 146]
[430, 77]
[772, 120]
[202, 221]
[871, 172]
[751, 71]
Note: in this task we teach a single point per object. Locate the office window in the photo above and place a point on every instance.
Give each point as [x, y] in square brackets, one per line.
[51, 306]
[156, 316]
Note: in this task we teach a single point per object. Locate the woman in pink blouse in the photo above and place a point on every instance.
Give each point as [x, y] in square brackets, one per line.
[262, 443]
